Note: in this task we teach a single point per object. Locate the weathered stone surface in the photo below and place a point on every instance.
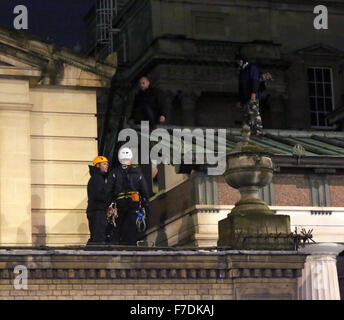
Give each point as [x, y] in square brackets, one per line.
[228, 274]
[256, 232]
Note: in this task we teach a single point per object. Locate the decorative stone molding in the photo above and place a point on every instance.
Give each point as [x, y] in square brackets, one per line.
[159, 264]
[50, 63]
[155, 273]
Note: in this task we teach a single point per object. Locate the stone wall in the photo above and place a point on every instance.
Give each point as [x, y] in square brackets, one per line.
[180, 275]
[289, 190]
[15, 161]
[167, 32]
[112, 289]
[257, 20]
[63, 143]
[179, 199]
[188, 214]
[292, 190]
[336, 186]
[47, 140]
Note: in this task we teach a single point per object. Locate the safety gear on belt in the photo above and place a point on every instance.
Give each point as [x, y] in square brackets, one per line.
[125, 154]
[134, 195]
[141, 219]
[99, 159]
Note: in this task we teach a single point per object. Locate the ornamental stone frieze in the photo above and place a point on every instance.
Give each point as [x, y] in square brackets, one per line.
[152, 263]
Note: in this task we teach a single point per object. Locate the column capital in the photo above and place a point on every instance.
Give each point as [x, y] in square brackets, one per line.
[323, 249]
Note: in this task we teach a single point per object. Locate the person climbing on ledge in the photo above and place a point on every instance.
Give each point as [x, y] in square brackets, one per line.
[250, 86]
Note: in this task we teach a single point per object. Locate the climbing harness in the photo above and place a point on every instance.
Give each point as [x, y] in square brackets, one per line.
[141, 218]
[134, 195]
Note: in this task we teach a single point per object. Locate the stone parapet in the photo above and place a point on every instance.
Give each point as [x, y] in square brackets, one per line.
[199, 274]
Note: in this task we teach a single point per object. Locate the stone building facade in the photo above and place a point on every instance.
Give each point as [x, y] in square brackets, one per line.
[188, 48]
[48, 132]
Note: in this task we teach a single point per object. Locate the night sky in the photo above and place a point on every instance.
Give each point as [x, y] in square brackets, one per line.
[59, 20]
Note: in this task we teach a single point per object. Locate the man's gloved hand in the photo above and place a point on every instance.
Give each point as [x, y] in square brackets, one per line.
[112, 214]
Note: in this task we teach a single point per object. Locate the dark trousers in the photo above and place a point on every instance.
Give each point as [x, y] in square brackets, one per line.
[125, 232]
[97, 224]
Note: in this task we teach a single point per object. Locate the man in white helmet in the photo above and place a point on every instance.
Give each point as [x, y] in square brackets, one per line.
[130, 196]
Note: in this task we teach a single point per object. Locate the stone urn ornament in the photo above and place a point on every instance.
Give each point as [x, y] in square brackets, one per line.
[251, 224]
[249, 168]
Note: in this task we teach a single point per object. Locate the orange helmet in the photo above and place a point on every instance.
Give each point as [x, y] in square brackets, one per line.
[99, 159]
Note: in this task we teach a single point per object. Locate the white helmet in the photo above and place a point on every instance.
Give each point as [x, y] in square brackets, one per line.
[125, 154]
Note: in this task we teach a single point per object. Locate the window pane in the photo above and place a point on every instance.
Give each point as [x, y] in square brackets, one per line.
[320, 95]
[312, 104]
[311, 76]
[311, 87]
[328, 105]
[320, 104]
[328, 90]
[318, 75]
[327, 75]
[321, 117]
[314, 119]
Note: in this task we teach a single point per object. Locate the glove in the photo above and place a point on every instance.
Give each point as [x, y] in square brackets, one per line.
[112, 214]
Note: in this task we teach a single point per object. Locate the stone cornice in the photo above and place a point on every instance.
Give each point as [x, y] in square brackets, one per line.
[166, 50]
[48, 56]
[155, 265]
[139, 273]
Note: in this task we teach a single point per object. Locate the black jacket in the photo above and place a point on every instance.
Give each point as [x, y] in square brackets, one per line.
[150, 105]
[97, 190]
[129, 179]
[249, 83]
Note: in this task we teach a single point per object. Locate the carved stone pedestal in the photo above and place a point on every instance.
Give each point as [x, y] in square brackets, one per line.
[256, 232]
[251, 224]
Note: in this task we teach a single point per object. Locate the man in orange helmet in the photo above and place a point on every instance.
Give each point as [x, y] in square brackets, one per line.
[98, 200]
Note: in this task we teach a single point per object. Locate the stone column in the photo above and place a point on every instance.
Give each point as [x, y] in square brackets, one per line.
[205, 189]
[15, 163]
[319, 279]
[189, 99]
